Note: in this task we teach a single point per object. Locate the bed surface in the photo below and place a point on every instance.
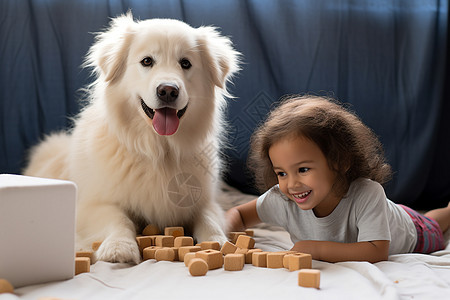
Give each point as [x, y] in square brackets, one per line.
[405, 276]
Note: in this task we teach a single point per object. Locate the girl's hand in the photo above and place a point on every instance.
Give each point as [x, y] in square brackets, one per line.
[242, 217]
[234, 220]
[310, 247]
[372, 251]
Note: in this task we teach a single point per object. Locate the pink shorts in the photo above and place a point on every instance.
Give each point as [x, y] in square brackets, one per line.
[429, 234]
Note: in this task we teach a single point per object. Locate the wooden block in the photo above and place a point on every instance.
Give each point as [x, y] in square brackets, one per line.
[228, 248]
[96, 245]
[286, 261]
[164, 240]
[165, 254]
[6, 287]
[186, 249]
[249, 232]
[151, 230]
[245, 242]
[89, 254]
[149, 252]
[299, 261]
[198, 267]
[259, 259]
[286, 258]
[153, 238]
[181, 241]
[232, 236]
[249, 254]
[275, 260]
[213, 258]
[288, 252]
[241, 251]
[187, 257]
[175, 251]
[309, 278]
[234, 262]
[210, 245]
[82, 265]
[144, 242]
[174, 231]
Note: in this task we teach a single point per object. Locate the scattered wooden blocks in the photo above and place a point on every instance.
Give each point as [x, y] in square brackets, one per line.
[181, 241]
[6, 287]
[275, 260]
[234, 262]
[309, 278]
[198, 267]
[164, 240]
[174, 231]
[151, 230]
[165, 254]
[209, 255]
[210, 245]
[186, 249]
[299, 261]
[245, 242]
[228, 248]
[149, 252]
[82, 265]
[259, 259]
[213, 258]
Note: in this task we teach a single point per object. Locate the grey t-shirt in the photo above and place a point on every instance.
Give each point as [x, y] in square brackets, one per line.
[364, 214]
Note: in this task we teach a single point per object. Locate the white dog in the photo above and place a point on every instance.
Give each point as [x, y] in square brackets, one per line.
[145, 148]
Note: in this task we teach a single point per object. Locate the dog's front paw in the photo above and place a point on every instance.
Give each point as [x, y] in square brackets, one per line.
[120, 251]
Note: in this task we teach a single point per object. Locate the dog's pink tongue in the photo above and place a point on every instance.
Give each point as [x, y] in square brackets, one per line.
[165, 121]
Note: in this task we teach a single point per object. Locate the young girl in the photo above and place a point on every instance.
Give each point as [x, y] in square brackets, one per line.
[324, 169]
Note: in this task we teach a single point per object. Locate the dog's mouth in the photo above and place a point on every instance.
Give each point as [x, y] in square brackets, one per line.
[165, 120]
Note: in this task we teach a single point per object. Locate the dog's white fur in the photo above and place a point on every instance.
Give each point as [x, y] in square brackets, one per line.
[121, 166]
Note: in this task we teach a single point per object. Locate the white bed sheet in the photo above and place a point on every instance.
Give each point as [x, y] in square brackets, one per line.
[405, 276]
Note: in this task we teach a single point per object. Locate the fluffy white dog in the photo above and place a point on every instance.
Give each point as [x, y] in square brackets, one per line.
[145, 148]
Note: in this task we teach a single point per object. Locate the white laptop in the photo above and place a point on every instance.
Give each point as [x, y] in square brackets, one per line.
[37, 229]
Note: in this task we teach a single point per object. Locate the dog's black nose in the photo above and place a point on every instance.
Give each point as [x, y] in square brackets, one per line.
[167, 92]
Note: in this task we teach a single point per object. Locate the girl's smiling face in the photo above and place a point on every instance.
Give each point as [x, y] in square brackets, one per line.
[304, 175]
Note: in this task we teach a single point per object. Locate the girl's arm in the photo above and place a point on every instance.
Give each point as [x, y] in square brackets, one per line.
[373, 251]
[242, 217]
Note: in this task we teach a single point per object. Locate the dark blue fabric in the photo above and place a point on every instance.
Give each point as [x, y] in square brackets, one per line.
[387, 58]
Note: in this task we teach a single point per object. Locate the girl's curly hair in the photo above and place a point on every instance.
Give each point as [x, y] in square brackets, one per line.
[351, 148]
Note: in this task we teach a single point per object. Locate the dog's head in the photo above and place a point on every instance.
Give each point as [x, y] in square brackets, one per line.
[166, 72]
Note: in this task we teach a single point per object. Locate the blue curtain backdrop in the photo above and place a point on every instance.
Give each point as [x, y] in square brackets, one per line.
[387, 58]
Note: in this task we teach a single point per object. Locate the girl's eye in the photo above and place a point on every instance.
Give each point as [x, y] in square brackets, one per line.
[303, 170]
[185, 64]
[281, 174]
[147, 62]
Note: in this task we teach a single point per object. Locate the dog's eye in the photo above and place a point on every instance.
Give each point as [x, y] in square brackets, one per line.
[185, 63]
[147, 62]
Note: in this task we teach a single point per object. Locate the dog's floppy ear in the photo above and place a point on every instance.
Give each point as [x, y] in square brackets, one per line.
[109, 53]
[218, 55]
